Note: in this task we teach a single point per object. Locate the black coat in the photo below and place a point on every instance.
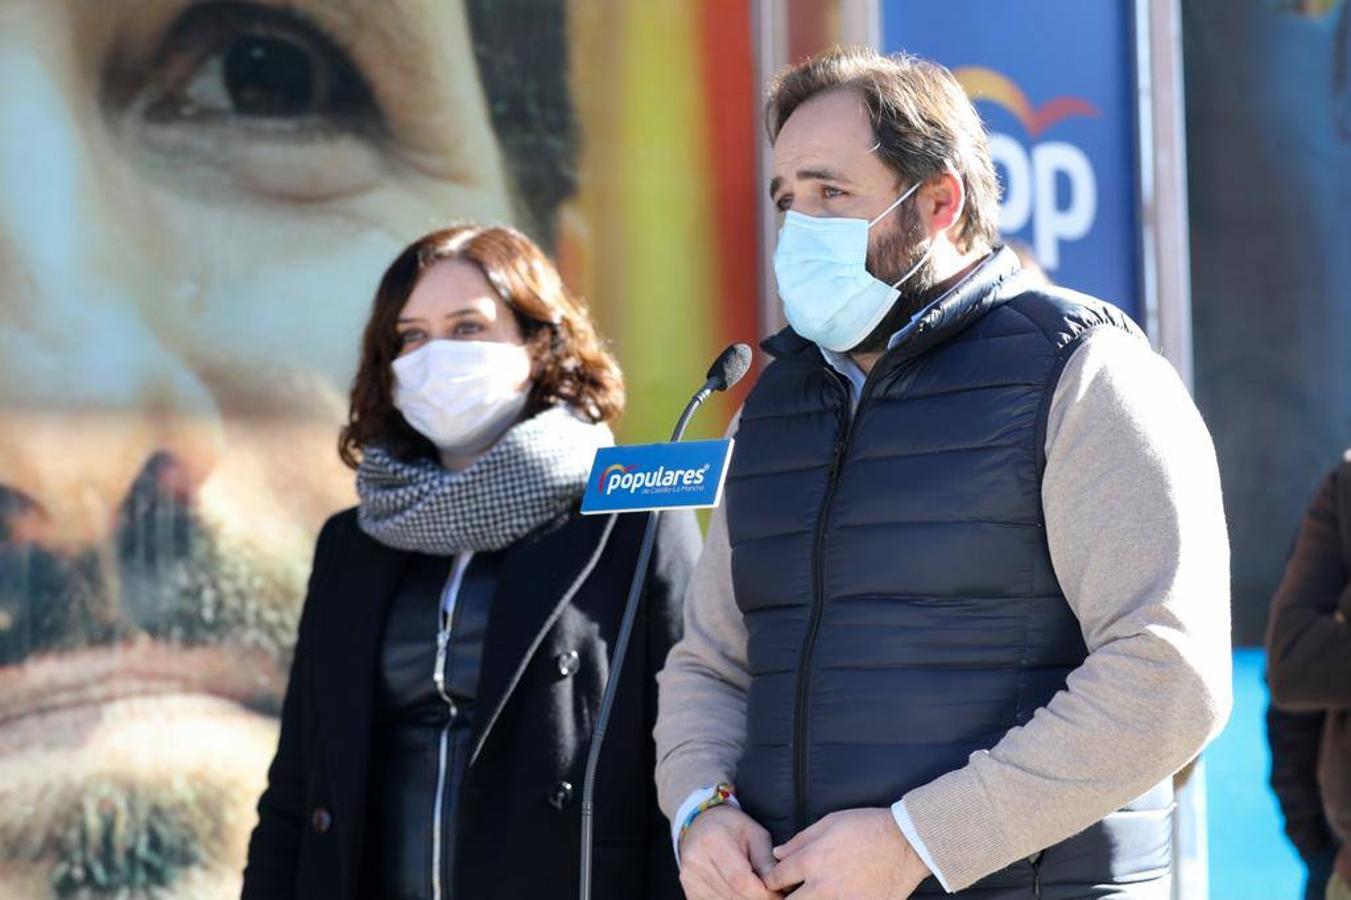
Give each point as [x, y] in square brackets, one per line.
[560, 590]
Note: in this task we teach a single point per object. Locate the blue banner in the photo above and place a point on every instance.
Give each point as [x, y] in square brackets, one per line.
[1054, 81]
[686, 475]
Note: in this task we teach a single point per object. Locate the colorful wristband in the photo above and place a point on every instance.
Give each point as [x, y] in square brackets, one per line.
[723, 794]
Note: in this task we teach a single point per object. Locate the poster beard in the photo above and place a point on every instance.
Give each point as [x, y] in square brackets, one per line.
[894, 252]
[126, 669]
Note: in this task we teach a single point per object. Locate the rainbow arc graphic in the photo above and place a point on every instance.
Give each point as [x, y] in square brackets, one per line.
[611, 470]
[995, 87]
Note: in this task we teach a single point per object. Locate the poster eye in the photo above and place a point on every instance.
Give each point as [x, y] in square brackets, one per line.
[270, 76]
[245, 62]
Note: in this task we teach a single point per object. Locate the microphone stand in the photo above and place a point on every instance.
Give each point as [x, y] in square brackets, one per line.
[617, 661]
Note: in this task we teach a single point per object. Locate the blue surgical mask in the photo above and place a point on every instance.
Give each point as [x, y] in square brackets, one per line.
[829, 296]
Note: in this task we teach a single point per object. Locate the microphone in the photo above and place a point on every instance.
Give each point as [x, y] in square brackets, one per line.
[729, 368]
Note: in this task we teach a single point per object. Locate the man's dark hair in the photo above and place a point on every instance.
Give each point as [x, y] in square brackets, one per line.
[521, 49]
[920, 116]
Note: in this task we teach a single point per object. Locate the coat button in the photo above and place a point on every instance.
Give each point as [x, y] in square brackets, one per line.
[560, 795]
[322, 820]
[569, 663]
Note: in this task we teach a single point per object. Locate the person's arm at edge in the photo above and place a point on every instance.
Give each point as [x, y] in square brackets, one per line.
[1294, 739]
[1308, 643]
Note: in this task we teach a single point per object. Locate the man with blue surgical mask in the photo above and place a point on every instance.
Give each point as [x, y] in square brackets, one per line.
[821, 264]
[964, 611]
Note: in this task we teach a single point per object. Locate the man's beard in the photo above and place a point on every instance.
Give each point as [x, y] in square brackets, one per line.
[895, 252]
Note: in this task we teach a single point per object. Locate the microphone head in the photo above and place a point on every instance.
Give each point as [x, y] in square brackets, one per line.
[730, 366]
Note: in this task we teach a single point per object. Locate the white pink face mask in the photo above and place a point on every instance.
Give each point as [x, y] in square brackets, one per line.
[462, 395]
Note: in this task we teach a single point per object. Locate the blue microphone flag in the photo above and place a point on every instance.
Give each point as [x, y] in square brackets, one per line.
[642, 477]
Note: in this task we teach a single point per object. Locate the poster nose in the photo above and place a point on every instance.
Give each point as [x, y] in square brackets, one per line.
[73, 280]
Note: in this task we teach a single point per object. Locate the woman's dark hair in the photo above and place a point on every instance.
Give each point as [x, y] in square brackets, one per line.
[570, 364]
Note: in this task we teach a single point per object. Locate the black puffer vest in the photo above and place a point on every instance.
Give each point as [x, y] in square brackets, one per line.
[894, 575]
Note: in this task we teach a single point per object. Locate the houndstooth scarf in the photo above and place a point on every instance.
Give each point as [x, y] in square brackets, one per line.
[531, 476]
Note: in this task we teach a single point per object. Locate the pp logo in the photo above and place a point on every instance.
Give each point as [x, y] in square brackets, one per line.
[1032, 173]
[611, 477]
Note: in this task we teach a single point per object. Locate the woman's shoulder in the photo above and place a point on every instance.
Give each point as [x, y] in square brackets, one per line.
[337, 528]
[346, 559]
[342, 519]
[342, 541]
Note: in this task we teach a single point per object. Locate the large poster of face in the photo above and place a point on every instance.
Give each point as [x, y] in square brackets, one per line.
[197, 198]
[1269, 148]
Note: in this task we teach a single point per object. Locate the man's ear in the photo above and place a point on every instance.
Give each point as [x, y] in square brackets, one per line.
[941, 201]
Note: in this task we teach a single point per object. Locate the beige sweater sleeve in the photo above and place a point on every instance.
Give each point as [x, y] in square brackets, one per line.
[701, 707]
[1137, 536]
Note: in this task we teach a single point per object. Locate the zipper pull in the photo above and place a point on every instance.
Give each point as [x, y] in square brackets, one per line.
[439, 673]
